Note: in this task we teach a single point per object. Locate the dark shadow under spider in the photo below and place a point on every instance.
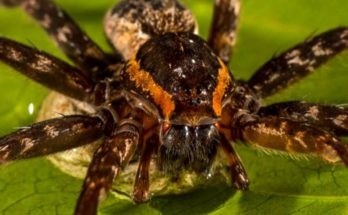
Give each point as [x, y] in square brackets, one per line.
[168, 95]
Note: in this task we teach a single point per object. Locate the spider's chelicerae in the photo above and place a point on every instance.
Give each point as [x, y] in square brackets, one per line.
[166, 97]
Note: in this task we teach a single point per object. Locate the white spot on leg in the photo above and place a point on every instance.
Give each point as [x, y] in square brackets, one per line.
[27, 144]
[313, 112]
[298, 61]
[46, 22]
[15, 55]
[319, 51]
[42, 63]
[51, 131]
[4, 148]
[344, 35]
[339, 120]
[63, 34]
[299, 136]
[293, 54]
[273, 77]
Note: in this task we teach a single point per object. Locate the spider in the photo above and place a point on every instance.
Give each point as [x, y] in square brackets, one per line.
[167, 94]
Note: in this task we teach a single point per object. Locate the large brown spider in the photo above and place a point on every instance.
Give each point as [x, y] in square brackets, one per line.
[167, 94]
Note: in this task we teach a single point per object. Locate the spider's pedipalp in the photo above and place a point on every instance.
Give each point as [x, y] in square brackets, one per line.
[142, 180]
[109, 159]
[329, 117]
[298, 62]
[239, 176]
[294, 137]
[50, 136]
[223, 31]
[46, 69]
[69, 37]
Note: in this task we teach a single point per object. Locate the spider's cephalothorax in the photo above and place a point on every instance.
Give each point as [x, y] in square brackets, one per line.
[180, 74]
[165, 96]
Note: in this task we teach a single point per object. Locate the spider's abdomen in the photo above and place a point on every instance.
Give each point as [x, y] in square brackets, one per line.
[182, 76]
[132, 22]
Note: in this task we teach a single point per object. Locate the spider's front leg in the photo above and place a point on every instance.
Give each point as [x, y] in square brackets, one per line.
[50, 136]
[109, 159]
[293, 137]
[329, 117]
[298, 61]
[222, 36]
[69, 37]
[46, 69]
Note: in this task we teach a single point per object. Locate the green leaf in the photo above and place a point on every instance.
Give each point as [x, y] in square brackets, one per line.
[279, 185]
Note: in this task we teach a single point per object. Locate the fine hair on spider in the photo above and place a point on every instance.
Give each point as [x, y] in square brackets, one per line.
[165, 100]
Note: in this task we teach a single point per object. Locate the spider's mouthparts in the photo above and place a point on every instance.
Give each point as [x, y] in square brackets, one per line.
[185, 147]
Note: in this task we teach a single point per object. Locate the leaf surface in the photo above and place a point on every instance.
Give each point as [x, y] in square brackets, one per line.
[279, 185]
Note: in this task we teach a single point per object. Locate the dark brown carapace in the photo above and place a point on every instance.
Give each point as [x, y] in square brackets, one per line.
[167, 95]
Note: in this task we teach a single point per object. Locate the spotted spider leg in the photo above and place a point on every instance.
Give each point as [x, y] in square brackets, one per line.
[298, 62]
[239, 176]
[223, 31]
[109, 159]
[142, 179]
[274, 133]
[328, 117]
[10, 3]
[50, 136]
[69, 37]
[46, 69]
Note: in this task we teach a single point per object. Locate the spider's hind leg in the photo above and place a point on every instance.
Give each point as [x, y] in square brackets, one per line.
[298, 62]
[50, 136]
[223, 30]
[294, 137]
[329, 117]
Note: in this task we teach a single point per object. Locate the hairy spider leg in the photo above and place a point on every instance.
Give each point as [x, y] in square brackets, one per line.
[10, 3]
[69, 37]
[50, 136]
[46, 69]
[294, 137]
[298, 62]
[238, 173]
[109, 159]
[328, 117]
[142, 181]
[223, 30]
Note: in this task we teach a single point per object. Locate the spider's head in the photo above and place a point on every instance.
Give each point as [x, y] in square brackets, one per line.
[187, 83]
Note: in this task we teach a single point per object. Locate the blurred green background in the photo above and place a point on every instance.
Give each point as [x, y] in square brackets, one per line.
[279, 185]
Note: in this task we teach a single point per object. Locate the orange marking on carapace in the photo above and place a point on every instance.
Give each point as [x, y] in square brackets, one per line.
[144, 81]
[224, 79]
